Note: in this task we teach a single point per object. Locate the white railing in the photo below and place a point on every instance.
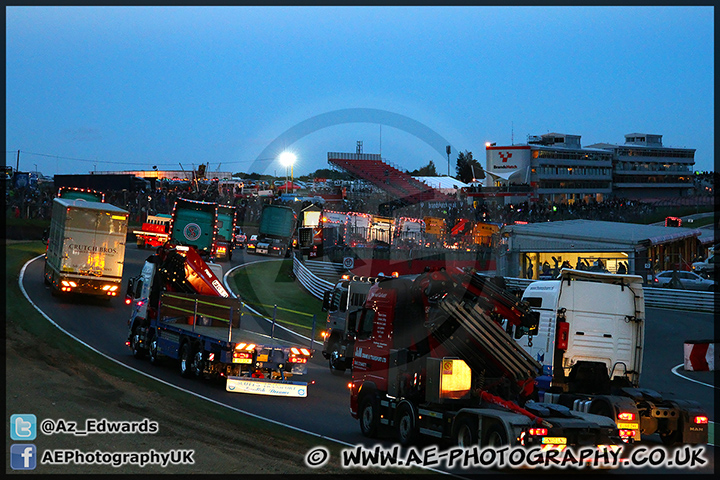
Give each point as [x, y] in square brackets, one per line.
[654, 297]
[689, 300]
[313, 284]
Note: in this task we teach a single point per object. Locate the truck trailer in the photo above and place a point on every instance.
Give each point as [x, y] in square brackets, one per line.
[590, 342]
[194, 223]
[182, 311]
[86, 248]
[225, 241]
[276, 231]
[432, 359]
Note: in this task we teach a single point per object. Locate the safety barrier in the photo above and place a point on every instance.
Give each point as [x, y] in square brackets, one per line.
[700, 355]
[312, 283]
[688, 300]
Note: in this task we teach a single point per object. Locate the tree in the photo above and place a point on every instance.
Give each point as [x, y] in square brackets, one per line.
[426, 171]
[468, 169]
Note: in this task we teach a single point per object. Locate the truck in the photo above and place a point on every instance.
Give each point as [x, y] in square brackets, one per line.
[590, 341]
[81, 193]
[342, 303]
[276, 231]
[155, 231]
[225, 241]
[194, 223]
[431, 359]
[86, 248]
[182, 311]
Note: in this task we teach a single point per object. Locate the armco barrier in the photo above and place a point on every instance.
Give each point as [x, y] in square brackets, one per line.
[700, 355]
[313, 284]
[688, 300]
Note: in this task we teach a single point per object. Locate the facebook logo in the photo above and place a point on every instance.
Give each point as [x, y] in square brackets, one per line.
[22, 456]
[23, 426]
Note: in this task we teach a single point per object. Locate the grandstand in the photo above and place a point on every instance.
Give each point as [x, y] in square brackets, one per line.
[398, 184]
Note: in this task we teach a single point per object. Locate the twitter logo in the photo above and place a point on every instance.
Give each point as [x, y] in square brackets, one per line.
[23, 426]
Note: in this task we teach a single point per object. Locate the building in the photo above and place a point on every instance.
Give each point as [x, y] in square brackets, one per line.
[555, 167]
[642, 249]
[643, 168]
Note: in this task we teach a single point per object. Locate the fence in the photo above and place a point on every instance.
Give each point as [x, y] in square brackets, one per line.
[654, 297]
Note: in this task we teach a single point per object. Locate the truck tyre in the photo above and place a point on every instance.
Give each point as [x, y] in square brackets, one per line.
[369, 416]
[406, 423]
[337, 366]
[137, 351]
[466, 432]
[152, 351]
[185, 360]
[495, 436]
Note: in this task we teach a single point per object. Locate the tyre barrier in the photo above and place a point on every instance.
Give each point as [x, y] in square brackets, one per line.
[700, 355]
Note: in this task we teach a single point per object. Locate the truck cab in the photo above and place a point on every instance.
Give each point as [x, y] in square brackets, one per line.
[343, 304]
[590, 342]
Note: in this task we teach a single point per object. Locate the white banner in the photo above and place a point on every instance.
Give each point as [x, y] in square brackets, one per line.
[261, 386]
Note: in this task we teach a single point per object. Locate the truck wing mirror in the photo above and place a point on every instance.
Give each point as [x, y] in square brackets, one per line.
[326, 301]
[531, 322]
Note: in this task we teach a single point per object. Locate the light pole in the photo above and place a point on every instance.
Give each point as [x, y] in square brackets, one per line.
[288, 160]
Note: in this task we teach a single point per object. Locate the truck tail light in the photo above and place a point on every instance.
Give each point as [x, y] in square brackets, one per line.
[128, 300]
[563, 332]
[701, 420]
[626, 416]
[538, 431]
[297, 359]
[627, 434]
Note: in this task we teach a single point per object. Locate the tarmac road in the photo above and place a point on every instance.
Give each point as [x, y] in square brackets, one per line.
[325, 411]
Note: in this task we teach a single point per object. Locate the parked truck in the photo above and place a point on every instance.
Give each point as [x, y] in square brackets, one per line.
[590, 341]
[194, 223]
[155, 231]
[276, 231]
[431, 359]
[342, 303]
[181, 310]
[86, 247]
[225, 241]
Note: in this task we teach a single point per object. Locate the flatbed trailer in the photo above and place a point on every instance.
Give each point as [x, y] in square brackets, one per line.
[182, 311]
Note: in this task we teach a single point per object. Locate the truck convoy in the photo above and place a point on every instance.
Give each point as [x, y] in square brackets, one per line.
[182, 311]
[86, 247]
[431, 359]
[590, 341]
[155, 231]
[276, 231]
[225, 241]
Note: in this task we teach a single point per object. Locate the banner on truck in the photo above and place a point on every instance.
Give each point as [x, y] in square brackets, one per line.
[266, 387]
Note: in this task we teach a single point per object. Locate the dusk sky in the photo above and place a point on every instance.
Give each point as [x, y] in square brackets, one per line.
[126, 88]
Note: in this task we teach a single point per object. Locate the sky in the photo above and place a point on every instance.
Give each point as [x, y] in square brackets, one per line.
[129, 88]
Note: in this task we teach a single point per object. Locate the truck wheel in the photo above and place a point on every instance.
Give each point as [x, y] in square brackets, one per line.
[137, 351]
[337, 366]
[185, 360]
[466, 432]
[152, 351]
[196, 363]
[407, 428]
[369, 416]
[495, 436]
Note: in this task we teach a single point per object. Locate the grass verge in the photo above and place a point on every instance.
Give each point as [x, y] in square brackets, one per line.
[264, 284]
